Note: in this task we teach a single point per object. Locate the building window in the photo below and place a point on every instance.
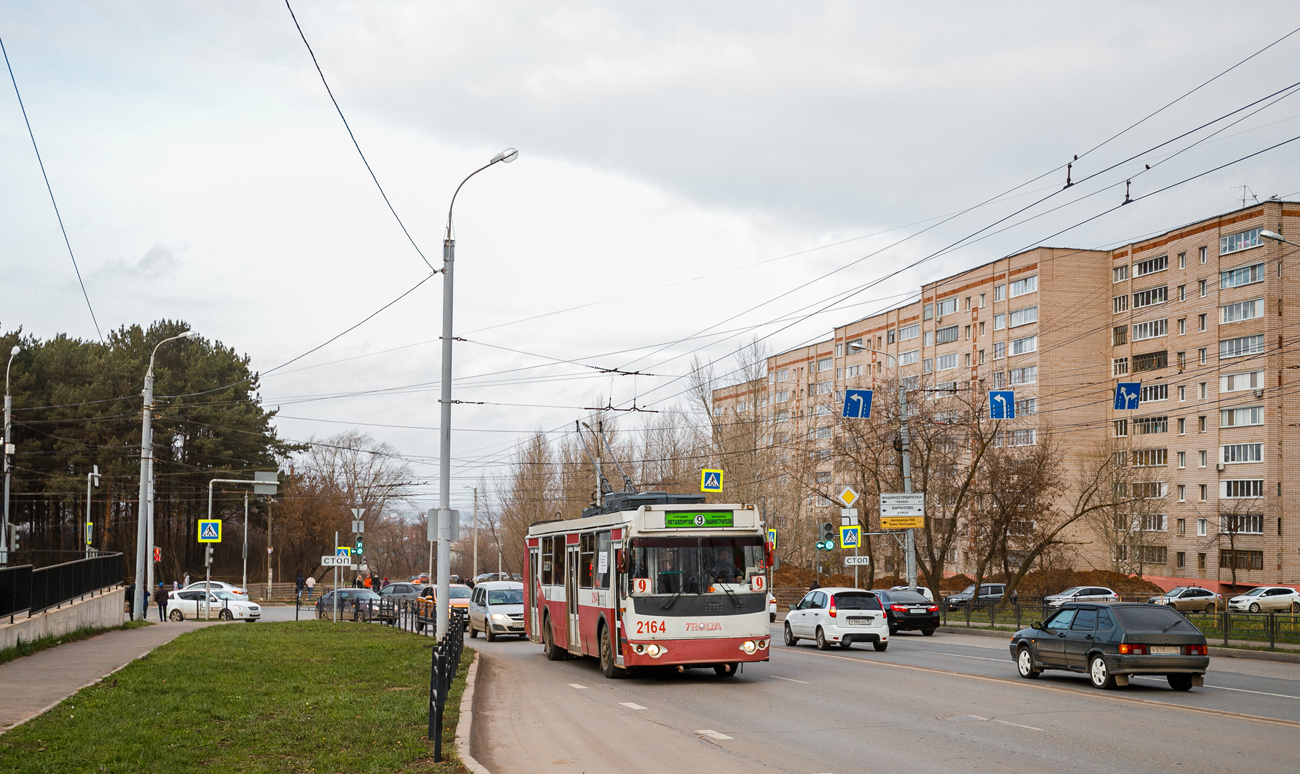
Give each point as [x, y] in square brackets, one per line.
[781, 416]
[825, 364]
[999, 380]
[966, 360]
[1202, 390]
[982, 300]
[1024, 346]
[1202, 525]
[1242, 275]
[1150, 266]
[1242, 346]
[1200, 424]
[1150, 361]
[1182, 361]
[909, 332]
[999, 321]
[1119, 273]
[1182, 292]
[1027, 375]
[1154, 522]
[999, 292]
[946, 306]
[1119, 366]
[1182, 559]
[1150, 425]
[967, 303]
[946, 335]
[781, 396]
[1149, 490]
[1202, 457]
[1242, 560]
[1182, 425]
[928, 339]
[853, 370]
[967, 333]
[909, 358]
[825, 388]
[1241, 417]
[1154, 392]
[1202, 254]
[1250, 380]
[1235, 453]
[1119, 335]
[1200, 560]
[839, 373]
[999, 350]
[1026, 407]
[927, 365]
[889, 336]
[1182, 496]
[947, 362]
[783, 374]
[823, 410]
[1242, 310]
[839, 350]
[1182, 260]
[981, 357]
[1024, 316]
[1235, 243]
[1203, 288]
[981, 327]
[1203, 355]
[1150, 297]
[1182, 326]
[1024, 286]
[823, 433]
[927, 312]
[1243, 488]
[1026, 437]
[1242, 524]
[1150, 458]
[1119, 304]
[1150, 329]
[1121, 428]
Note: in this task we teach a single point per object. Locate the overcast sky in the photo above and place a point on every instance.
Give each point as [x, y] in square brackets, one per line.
[684, 170]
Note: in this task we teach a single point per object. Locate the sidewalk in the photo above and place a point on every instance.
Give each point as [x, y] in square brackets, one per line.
[33, 684]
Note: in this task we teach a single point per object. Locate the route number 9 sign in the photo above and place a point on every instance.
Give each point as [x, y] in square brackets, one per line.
[640, 585]
[758, 582]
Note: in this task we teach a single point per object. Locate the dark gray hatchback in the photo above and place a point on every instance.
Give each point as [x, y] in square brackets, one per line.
[1112, 642]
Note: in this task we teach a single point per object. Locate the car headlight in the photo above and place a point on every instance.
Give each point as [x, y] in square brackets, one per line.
[499, 617]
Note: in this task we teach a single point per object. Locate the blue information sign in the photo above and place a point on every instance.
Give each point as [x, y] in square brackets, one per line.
[1002, 404]
[1127, 395]
[857, 404]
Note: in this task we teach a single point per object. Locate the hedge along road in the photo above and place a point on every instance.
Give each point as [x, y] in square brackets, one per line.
[921, 702]
[265, 697]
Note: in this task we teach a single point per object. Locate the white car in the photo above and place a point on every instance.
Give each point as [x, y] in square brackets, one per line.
[838, 615]
[496, 608]
[1265, 599]
[771, 608]
[1081, 594]
[922, 590]
[217, 586]
[225, 606]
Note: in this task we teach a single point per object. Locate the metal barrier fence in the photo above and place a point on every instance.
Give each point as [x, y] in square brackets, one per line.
[417, 617]
[30, 590]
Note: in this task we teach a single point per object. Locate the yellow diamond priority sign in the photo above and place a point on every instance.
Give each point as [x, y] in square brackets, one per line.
[848, 497]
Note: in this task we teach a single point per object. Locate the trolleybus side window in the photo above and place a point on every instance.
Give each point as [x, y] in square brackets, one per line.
[586, 559]
[547, 568]
[557, 561]
[603, 560]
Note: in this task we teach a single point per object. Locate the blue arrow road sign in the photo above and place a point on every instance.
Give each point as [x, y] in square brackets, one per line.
[857, 404]
[1127, 395]
[1002, 404]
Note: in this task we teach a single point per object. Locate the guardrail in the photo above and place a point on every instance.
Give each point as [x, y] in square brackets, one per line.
[29, 590]
[417, 618]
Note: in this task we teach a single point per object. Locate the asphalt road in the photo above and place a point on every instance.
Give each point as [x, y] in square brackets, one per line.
[950, 700]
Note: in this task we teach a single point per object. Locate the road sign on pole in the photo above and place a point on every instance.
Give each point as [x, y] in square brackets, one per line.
[850, 537]
[902, 510]
[1128, 395]
[1002, 404]
[848, 516]
[857, 404]
[710, 480]
[343, 551]
[857, 561]
[771, 538]
[848, 497]
[335, 561]
[209, 530]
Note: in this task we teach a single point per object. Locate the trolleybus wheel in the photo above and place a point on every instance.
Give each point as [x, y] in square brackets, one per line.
[608, 668]
[725, 670]
[552, 653]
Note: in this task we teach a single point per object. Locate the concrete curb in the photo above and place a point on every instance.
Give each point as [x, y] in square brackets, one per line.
[1218, 652]
[465, 724]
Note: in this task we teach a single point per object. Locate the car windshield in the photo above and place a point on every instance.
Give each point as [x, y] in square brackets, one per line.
[223, 594]
[1254, 592]
[505, 596]
[460, 592]
[1070, 591]
[907, 598]
[855, 600]
[365, 594]
[696, 565]
[969, 589]
[1153, 619]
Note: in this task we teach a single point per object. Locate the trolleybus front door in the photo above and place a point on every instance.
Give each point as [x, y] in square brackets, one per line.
[571, 597]
[534, 577]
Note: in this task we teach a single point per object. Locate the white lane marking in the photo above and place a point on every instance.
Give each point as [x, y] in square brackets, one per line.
[790, 679]
[713, 734]
[958, 655]
[630, 705]
[1225, 688]
[579, 687]
[1017, 725]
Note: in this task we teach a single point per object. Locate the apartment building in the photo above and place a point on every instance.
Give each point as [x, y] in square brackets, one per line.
[1198, 315]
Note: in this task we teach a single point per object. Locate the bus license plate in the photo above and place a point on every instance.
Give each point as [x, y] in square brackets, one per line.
[1165, 650]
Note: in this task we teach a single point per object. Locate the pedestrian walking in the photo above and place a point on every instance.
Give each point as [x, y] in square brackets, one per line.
[160, 598]
[298, 584]
[187, 580]
[385, 584]
[130, 601]
[356, 582]
[311, 585]
[367, 583]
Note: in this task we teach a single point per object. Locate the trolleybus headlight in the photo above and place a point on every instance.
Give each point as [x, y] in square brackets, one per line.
[762, 644]
[749, 646]
[653, 650]
[639, 649]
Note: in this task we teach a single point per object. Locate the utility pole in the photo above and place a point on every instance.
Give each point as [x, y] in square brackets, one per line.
[243, 584]
[268, 549]
[475, 573]
[910, 545]
[90, 477]
[7, 447]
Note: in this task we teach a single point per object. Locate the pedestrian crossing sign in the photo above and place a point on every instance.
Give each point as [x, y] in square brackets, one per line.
[209, 530]
[850, 537]
[344, 551]
[710, 480]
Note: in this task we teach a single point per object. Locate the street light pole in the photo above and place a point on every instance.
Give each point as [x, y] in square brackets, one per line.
[7, 442]
[92, 477]
[444, 448]
[474, 574]
[909, 545]
[144, 529]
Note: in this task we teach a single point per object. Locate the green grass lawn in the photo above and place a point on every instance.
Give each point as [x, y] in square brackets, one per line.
[268, 697]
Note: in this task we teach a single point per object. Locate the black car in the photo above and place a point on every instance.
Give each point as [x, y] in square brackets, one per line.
[907, 609]
[354, 604]
[990, 593]
[1112, 642]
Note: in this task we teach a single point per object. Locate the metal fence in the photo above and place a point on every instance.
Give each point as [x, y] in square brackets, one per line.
[29, 590]
[413, 617]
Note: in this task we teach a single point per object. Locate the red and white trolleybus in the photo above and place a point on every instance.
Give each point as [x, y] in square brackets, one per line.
[650, 579]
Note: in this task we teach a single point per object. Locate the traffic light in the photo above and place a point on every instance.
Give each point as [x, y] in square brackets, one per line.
[359, 545]
[207, 555]
[828, 533]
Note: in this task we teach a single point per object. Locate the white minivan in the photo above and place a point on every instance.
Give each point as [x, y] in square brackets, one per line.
[840, 616]
[496, 608]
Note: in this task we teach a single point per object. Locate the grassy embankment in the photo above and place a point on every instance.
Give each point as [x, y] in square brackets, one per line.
[273, 697]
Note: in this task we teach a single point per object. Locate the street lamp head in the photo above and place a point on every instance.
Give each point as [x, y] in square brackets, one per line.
[856, 345]
[186, 335]
[14, 352]
[1271, 235]
[508, 155]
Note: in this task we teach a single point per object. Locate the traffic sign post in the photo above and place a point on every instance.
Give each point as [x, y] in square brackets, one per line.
[710, 480]
[1002, 404]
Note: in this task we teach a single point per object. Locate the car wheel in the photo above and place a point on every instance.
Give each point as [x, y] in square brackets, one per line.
[487, 632]
[548, 645]
[822, 644]
[771, 617]
[893, 630]
[790, 639]
[473, 633]
[845, 645]
[1209, 608]
[880, 647]
[419, 626]
[1254, 608]
[607, 666]
[1099, 674]
[1025, 664]
[725, 670]
[224, 615]
[1180, 682]
[928, 632]
[176, 616]
[1295, 607]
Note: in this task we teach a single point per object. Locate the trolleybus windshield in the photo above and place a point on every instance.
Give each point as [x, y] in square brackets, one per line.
[696, 565]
